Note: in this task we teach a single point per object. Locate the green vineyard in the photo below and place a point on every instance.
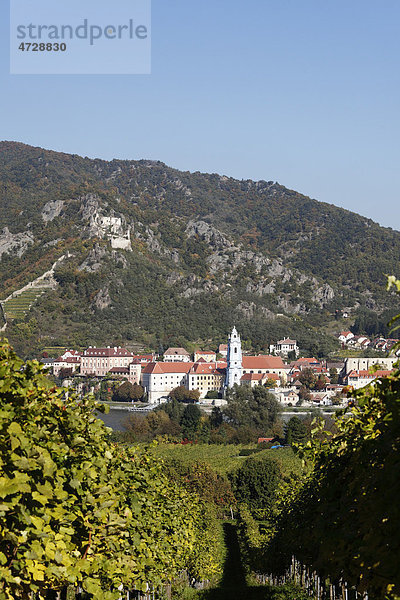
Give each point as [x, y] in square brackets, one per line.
[17, 308]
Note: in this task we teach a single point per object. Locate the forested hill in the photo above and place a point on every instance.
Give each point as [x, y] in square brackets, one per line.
[203, 251]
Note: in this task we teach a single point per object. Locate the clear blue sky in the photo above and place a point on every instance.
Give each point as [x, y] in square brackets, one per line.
[304, 92]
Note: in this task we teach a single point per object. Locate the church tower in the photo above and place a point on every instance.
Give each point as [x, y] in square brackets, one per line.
[234, 370]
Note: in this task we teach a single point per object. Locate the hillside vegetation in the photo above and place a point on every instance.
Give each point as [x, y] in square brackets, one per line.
[204, 251]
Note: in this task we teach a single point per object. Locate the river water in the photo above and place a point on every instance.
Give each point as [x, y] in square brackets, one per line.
[116, 418]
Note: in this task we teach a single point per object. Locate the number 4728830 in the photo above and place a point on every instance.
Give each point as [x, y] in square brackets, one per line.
[42, 47]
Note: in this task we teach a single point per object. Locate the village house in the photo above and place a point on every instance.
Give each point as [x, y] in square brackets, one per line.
[132, 373]
[207, 355]
[305, 363]
[385, 345]
[345, 336]
[334, 365]
[285, 396]
[359, 341]
[176, 355]
[66, 361]
[321, 399]
[296, 367]
[333, 388]
[283, 347]
[144, 359]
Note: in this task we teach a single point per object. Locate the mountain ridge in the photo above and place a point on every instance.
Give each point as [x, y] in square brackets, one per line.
[205, 242]
[154, 162]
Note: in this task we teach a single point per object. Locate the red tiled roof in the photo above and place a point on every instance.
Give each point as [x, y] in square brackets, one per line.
[143, 357]
[203, 368]
[168, 367]
[70, 359]
[259, 376]
[368, 374]
[311, 360]
[262, 362]
[252, 376]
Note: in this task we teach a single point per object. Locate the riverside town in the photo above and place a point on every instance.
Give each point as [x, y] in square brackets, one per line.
[200, 300]
[186, 410]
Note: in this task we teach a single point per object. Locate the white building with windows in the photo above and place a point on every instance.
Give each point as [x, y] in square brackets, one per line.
[283, 347]
[363, 364]
[206, 377]
[100, 361]
[160, 378]
[234, 370]
[176, 355]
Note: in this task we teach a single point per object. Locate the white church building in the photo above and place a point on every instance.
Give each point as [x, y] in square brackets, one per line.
[234, 370]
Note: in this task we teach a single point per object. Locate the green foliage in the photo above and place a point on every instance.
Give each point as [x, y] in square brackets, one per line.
[157, 424]
[296, 431]
[255, 483]
[182, 394]
[333, 375]
[342, 521]
[395, 322]
[174, 409]
[128, 392]
[304, 395]
[224, 458]
[216, 418]
[73, 508]
[190, 421]
[289, 591]
[372, 323]
[307, 378]
[200, 478]
[212, 395]
[253, 408]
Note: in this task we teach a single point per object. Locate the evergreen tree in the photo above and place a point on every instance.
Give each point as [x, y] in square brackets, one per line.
[296, 431]
[216, 418]
[190, 421]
